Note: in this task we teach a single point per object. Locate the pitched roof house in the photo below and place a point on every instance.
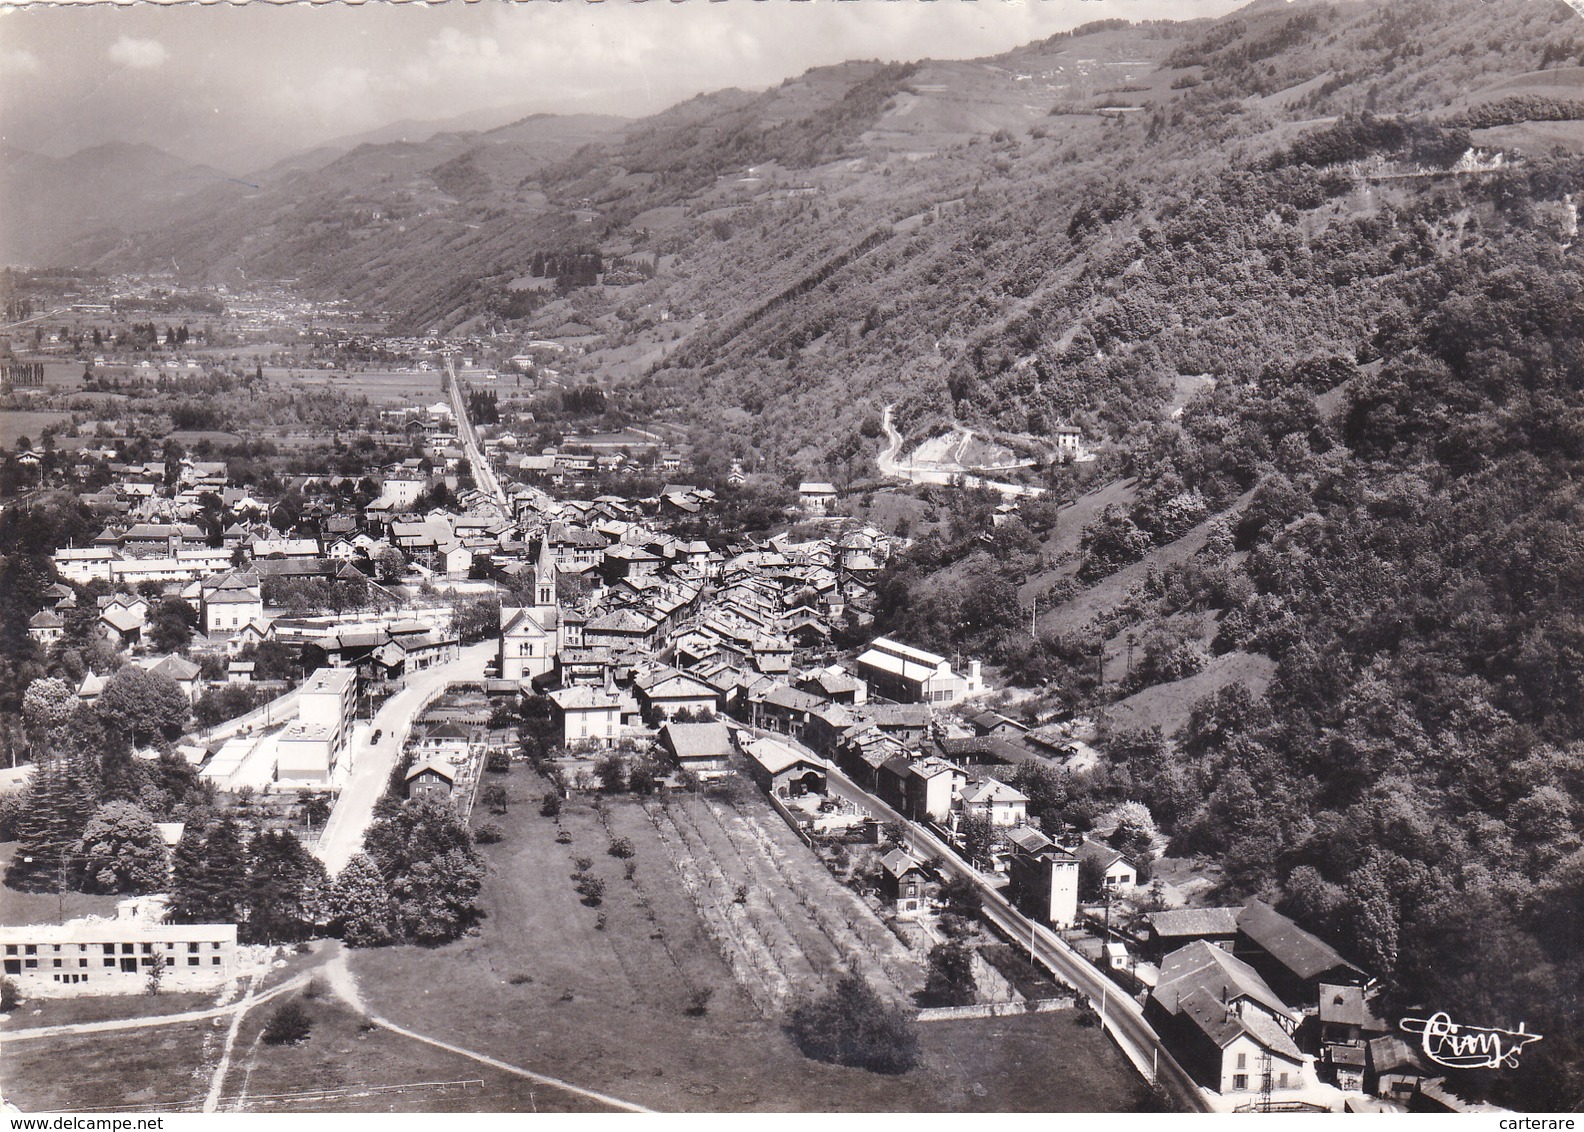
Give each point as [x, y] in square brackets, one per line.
[1293, 960]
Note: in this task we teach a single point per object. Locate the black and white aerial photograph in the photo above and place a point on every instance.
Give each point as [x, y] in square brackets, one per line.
[974, 556]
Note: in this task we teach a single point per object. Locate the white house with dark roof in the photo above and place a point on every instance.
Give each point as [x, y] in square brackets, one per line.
[46, 626]
[229, 601]
[1223, 1021]
[588, 714]
[816, 497]
[1001, 805]
[1119, 872]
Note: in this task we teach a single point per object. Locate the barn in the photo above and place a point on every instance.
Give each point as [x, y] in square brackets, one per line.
[783, 770]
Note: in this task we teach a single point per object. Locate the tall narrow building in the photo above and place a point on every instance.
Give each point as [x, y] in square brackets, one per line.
[530, 640]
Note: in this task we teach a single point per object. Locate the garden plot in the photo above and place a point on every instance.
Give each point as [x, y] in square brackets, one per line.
[785, 926]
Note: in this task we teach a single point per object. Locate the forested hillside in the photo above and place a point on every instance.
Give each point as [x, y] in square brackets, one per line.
[1283, 202]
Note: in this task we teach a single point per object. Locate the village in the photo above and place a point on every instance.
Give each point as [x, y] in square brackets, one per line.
[399, 632]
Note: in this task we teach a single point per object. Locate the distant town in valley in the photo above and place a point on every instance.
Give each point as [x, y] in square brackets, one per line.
[1040, 584]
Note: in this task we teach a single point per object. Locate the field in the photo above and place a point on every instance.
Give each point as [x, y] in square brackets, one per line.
[415, 388]
[36, 1013]
[161, 1068]
[599, 996]
[348, 1066]
[1168, 706]
[604, 997]
[27, 423]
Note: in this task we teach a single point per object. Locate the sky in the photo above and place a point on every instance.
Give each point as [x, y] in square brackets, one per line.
[239, 86]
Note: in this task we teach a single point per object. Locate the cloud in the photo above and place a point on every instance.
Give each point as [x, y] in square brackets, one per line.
[138, 54]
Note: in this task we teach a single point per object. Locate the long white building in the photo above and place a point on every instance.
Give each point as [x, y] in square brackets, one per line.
[94, 955]
[912, 676]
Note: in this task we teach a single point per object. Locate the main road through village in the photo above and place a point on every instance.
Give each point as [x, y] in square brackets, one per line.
[372, 763]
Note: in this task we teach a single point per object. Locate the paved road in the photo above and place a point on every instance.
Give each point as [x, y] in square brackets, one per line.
[483, 472]
[372, 764]
[1124, 1020]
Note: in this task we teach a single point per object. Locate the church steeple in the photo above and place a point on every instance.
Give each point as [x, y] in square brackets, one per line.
[545, 576]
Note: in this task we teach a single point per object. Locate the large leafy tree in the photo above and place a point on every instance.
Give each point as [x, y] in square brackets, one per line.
[47, 705]
[122, 852]
[951, 974]
[425, 853]
[363, 904]
[145, 705]
[851, 1025]
[172, 625]
[437, 900]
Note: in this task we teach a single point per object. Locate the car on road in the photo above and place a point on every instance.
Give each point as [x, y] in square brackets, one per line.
[375, 738]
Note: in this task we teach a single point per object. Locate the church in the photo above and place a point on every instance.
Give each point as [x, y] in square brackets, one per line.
[530, 639]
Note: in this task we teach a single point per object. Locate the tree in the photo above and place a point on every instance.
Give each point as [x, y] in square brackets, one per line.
[951, 974]
[391, 564]
[433, 873]
[643, 777]
[1091, 877]
[1046, 788]
[1110, 541]
[47, 704]
[60, 799]
[496, 797]
[437, 900]
[961, 896]
[145, 705]
[172, 625]
[591, 889]
[209, 874]
[538, 732]
[978, 838]
[366, 914]
[283, 879]
[122, 852]
[288, 1025]
[850, 1025]
[1372, 918]
[1135, 828]
[315, 807]
[612, 773]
